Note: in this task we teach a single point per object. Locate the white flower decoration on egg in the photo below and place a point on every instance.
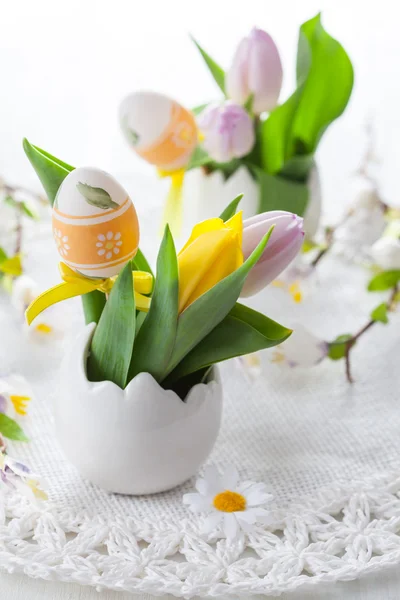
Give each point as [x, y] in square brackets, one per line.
[109, 244]
[62, 242]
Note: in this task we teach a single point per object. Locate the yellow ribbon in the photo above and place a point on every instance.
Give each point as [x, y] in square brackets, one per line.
[76, 284]
[173, 204]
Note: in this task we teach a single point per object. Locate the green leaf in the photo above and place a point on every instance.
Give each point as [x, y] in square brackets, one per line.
[11, 430]
[216, 71]
[155, 340]
[112, 343]
[50, 170]
[198, 159]
[11, 201]
[248, 105]
[309, 245]
[93, 305]
[22, 206]
[298, 168]
[198, 109]
[380, 313]
[182, 386]
[211, 308]
[28, 211]
[140, 263]
[338, 348]
[230, 210]
[241, 332]
[384, 281]
[327, 73]
[96, 196]
[3, 254]
[275, 133]
[277, 193]
[325, 81]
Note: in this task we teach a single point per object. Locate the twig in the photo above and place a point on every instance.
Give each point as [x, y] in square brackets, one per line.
[329, 237]
[390, 304]
[18, 232]
[15, 189]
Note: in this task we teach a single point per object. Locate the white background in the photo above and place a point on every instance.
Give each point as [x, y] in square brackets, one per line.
[65, 66]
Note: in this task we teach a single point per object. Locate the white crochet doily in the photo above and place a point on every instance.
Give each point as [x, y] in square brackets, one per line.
[329, 451]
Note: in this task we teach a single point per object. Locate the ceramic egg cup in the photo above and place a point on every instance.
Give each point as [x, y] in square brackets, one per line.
[140, 440]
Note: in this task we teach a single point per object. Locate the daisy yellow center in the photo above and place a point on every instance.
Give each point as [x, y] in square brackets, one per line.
[109, 245]
[229, 502]
[43, 328]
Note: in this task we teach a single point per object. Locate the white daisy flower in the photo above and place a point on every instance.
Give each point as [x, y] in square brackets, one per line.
[301, 349]
[231, 505]
[15, 395]
[250, 364]
[14, 475]
[48, 325]
[25, 290]
[108, 245]
[386, 251]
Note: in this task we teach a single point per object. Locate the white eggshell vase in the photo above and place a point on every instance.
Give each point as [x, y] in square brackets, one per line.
[206, 195]
[140, 440]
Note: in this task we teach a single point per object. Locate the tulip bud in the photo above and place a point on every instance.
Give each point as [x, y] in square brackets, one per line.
[386, 251]
[228, 131]
[213, 251]
[256, 69]
[283, 246]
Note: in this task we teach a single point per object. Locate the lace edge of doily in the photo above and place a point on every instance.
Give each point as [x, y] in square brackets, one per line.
[35, 541]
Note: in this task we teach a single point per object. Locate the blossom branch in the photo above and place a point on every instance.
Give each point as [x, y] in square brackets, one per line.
[390, 306]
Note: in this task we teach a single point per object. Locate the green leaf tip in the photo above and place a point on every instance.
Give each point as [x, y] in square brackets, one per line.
[50, 170]
[216, 71]
[230, 210]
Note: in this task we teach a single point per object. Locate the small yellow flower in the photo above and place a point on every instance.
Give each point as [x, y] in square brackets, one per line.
[213, 251]
[20, 403]
[293, 289]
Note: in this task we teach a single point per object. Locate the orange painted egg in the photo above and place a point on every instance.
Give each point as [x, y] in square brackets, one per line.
[159, 129]
[95, 225]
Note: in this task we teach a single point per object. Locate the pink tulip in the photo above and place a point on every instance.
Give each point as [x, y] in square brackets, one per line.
[256, 69]
[283, 246]
[228, 131]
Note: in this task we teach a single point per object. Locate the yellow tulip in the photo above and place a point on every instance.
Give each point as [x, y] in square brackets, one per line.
[213, 251]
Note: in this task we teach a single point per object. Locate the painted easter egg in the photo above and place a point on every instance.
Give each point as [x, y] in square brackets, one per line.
[95, 225]
[159, 129]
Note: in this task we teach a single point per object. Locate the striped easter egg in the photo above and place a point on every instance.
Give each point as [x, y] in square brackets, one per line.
[158, 129]
[95, 225]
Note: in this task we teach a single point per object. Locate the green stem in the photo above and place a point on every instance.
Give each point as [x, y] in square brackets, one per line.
[93, 304]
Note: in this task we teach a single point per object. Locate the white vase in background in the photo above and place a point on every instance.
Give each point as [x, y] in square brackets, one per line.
[140, 440]
[206, 196]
